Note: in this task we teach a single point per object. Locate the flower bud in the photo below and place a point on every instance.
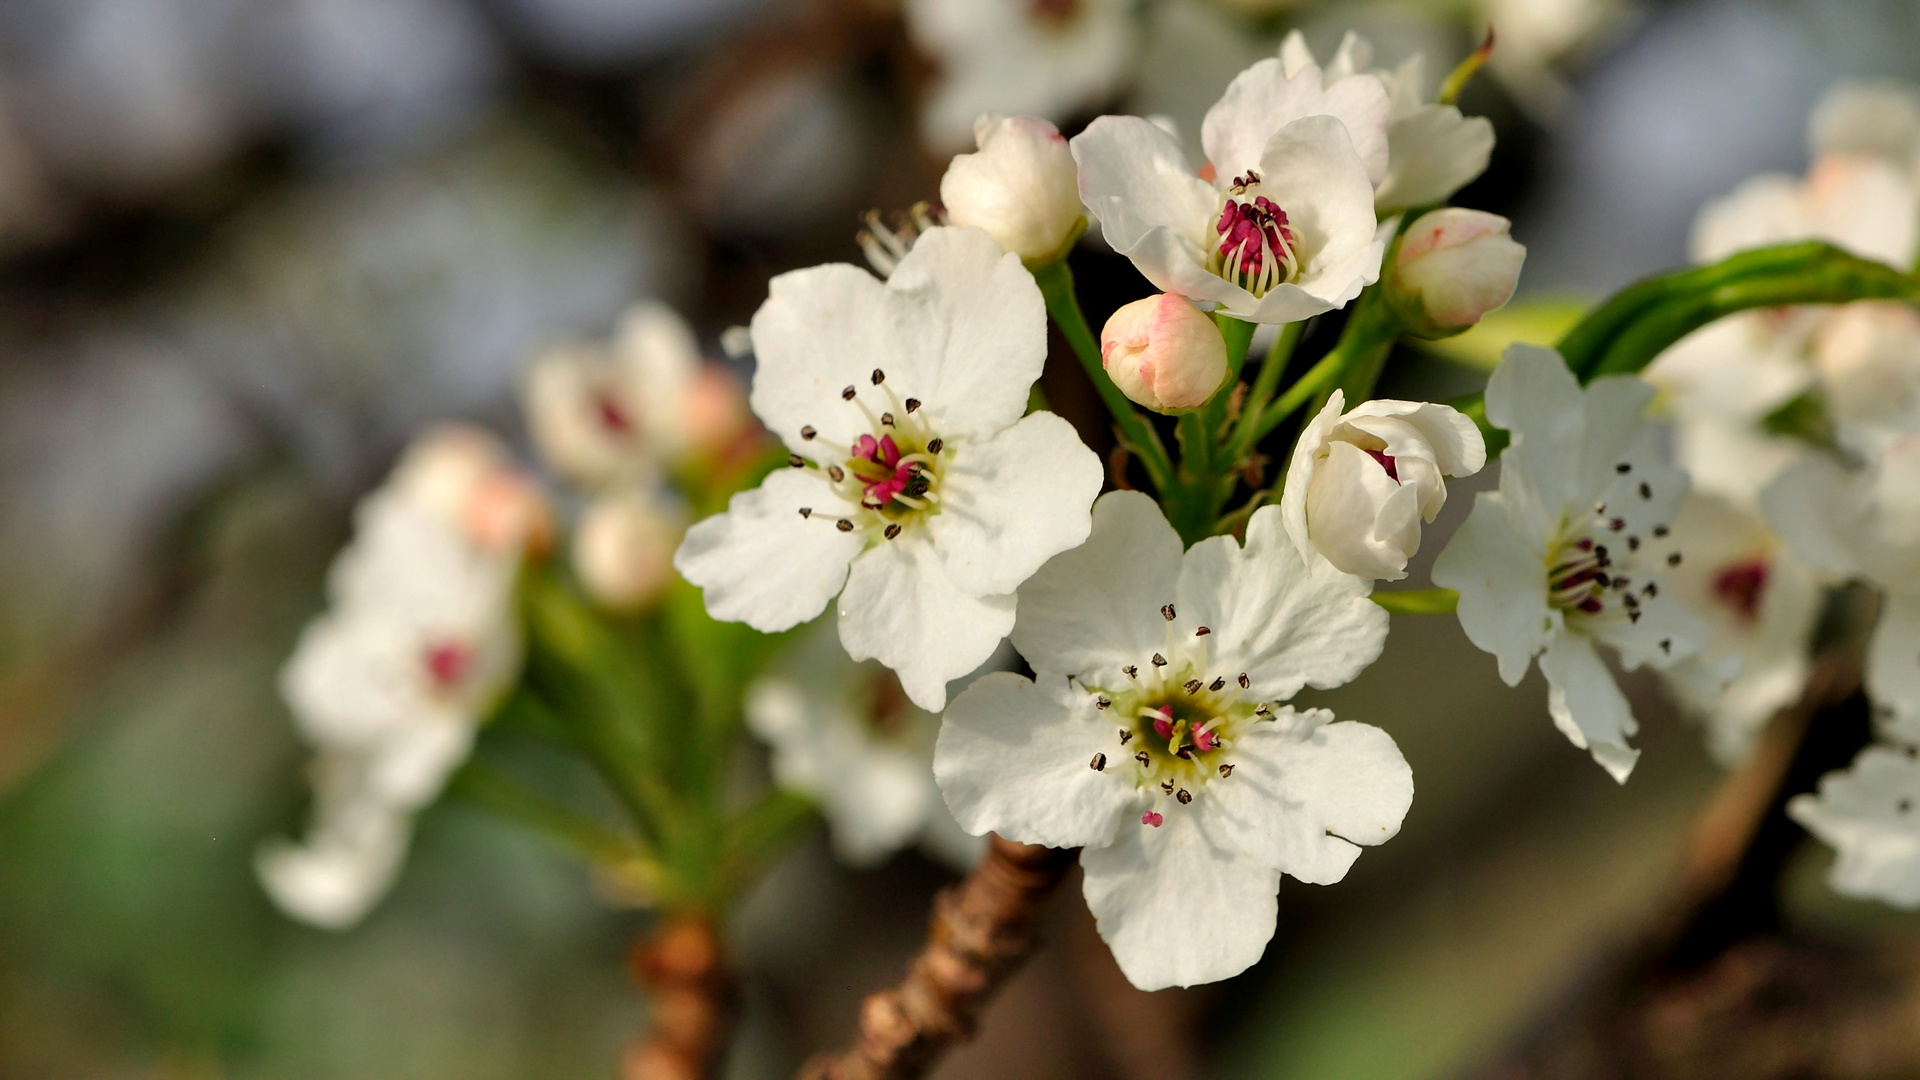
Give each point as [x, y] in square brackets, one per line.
[1453, 266]
[623, 550]
[1164, 353]
[508, 514]
[1868, 355]
[443, 467]
[1021, 187]
[1361, 483]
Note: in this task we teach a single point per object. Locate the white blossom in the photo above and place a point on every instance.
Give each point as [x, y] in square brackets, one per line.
[1361, 482]
[1759, 604]
[1046, 58]
[920, 494]
[845, 734]
[1432, 150]
[1151, 736]
[623, 548]
[1570, 553]
[1280, 224]
[1879, 118]
[1856, 202]
[1867, 813]
[1020, 186]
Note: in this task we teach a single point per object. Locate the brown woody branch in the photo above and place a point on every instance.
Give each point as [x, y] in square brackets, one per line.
[690, 1006]
[982, 930]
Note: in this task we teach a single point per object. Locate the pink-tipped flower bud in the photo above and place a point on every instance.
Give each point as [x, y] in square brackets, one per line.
[443, 467]
[1453, 266]
[1164, 353]
[1021, 187]
[623, 550]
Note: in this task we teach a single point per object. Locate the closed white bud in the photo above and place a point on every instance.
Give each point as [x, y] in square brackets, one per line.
[623, 550]
[1021, 187]
[1453, 266]
[1164, 353]
[1361, 483]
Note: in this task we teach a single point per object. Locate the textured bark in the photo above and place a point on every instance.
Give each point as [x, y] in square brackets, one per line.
[690, 1002]
[982, 929]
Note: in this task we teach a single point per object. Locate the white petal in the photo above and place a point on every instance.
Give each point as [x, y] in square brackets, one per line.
[763, 564]
[1363, 522]
[900, 608]
[1014, 501]
[410, 767]
[1262, 99]
[820, 330]
[1016, 757]
[1867, 812]
[1587, 705]
[1311, 168]
[1093, 610]
[1271, 617]
[1457, 446]
[1893, 665]
[1433, 153]
[1151, 206]
[1497, 570]
[1314, 793]
[346, 866]
[1177, 905]
[1300, 469]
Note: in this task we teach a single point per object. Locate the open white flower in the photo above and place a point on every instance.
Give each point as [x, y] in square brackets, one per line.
[1046, 58]
[1020, 186]
[844, 734]
[1570, 553]
[1151, 737]
[1759, 604]
[918, 485]
[1280, 224]
[1865, 523]
[1361, 482]
[1432, 150]
[1870, 814]
[391, 684]
[1853, 201]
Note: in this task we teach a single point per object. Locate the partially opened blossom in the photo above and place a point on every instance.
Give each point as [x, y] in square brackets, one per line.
[1279, 225]
[1152, 736]
[1432, 150]
[391, 683]
[1571, 552]
[1020, 186]
[1361, 482]
[920, 495]
[1045, 58]
[1864, 522]
[1164, 353]
[844, 734]
[1452, 266]
[1870, 815]
[1759, 604]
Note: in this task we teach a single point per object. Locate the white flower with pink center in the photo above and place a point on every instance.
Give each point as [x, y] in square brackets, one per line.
[1571, 553]
[1279, 225]
[392, 682]
[919, 493]
[1153, 738]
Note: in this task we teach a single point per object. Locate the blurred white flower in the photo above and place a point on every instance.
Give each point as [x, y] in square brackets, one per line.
[1880, 118]
[1856, 202]
[845, 734]
[1279, 226]
[1535, 36]
[1864, 522]
[1867, 355]
[1453, 266]
[1046, 58]
[1867, 813]
[1432, 150]
[391, 683]
[1361, 482]
[623, 549]
[1150, 736]
[919, 488]
[1718, 384]
[1164, 353]
[1760, 605]
[1020, 186]
[1571, 552]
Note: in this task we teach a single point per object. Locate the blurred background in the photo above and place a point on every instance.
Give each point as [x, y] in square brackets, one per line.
[247, 247]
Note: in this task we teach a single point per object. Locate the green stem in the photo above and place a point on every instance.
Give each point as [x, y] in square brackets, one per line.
[1363, 347]
[1056, 287]
[492, 789]
[1246, 431]
[1419, 601]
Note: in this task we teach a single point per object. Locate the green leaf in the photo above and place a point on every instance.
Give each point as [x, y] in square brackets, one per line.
[1804, 417]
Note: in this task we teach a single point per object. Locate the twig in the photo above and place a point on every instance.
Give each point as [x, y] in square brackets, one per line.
[690, 1001]
[982, 930]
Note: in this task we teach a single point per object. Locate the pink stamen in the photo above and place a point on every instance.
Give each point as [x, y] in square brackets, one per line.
[612, 416]
[1205, 740]
[1163, 724]
[1151, 818]
[1254, 229]
[1386, 462]
[447, 664]
[1742, 585]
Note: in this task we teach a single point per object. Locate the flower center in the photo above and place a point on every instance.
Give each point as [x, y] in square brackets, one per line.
[890, 476]
[1175, 722]
[447, 664]
[612, 414]
[1607, 565]
[1741, 585]
[1257, 249]
[1386, 462]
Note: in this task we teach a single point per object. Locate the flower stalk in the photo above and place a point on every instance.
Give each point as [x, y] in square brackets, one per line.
[690, 1001]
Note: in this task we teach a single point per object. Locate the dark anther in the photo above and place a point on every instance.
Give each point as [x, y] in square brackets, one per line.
[1192, 686]
[808, 433]
[1262, 709]
[1660, 530]
[1159, 661]
[933, 446]
[1132, 672]
[1673, 559]
[1600, 552]
[1602, 578]
[1617, 524]
[1904, 805]
[1652, 589]
[917, 486]
[843, 525]
[879, 376]
[1184, 797]
[796, 461]
[886, 418]
[1599, 508]
[836, 473]
[1633, 616]
[847, 394]
[1125, 736]
[1646, 490]
[1202, 632]
[1142, 758]
[893, 530]
[1633, 543]
[1244, 681]
[1623, 468]
[1622, 582]
[1666, 645]
[1166, 786]
[1631, 600]
[913, 403]
[1166, 612]
[806, 511]
[1217, 684]
[1099, 763]
[1103, 702]
[1226, 768]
